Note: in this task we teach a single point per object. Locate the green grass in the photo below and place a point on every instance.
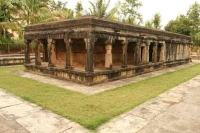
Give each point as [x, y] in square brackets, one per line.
[92, 111]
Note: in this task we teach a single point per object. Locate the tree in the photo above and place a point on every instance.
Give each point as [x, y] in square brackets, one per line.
[57, 5]
[99, 8]
[187, 25]
[149, 24]
[8, 9]
[128, 12]
[181, 25]
[35, 11]
[194, 17]
[156, 21]
[79, 9]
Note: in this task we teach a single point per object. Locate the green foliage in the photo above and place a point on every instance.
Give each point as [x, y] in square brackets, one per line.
[128, 12]
[181, 25]
[149, 24]
[99, 8]
[92, 111]
[155, 22]
[187, 25]
[79, 9]
[57, 5]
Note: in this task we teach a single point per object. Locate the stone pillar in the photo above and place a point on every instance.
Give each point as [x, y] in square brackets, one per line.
[37, 53]
[154, 56]
[45, 50]
[124, 53]
[27, 50]
[189, 50]
[137, 54]
[89, 46]
[108, 56]
[52, 53]
[163, 52]
[147, 51]
[68, 43]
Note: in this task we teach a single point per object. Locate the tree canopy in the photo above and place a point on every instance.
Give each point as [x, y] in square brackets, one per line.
[188, 24]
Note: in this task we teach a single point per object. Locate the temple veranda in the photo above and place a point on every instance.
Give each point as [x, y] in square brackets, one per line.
[91, 50]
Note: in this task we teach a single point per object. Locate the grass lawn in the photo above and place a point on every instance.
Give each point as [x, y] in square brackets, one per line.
[92, 111]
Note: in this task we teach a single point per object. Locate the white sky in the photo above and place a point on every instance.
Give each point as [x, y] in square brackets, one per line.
[168, 9]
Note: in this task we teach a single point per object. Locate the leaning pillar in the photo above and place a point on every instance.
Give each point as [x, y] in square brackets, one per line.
[27, 51]
[37, 53]
[124, 53]
[89, 45]
[68, 43]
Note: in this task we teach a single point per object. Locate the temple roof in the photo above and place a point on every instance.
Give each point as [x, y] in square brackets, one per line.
[94, 25]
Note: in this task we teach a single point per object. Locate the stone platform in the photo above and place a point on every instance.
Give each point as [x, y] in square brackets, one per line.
[99, 76]
[15, 59]
[89, 90]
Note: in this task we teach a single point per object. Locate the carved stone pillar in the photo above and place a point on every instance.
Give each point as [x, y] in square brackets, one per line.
[124, 53]
[68, 43]
[27, 51]
[52, 53]
[147, 51]
[45, 50]
[37, 53]
[89, 45]
[154, 55]
[137, 52]
[162, 54]
[108, 56]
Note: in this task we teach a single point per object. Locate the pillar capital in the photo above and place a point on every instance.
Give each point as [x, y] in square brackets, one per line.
[89, 43]
[110, 40]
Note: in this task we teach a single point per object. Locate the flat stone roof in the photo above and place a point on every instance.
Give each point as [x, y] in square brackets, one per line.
[93, 25]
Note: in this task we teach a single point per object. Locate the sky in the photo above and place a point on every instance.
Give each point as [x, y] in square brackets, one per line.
[169, 9]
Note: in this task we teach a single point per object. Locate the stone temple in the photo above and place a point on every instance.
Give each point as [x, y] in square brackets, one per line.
[91, 50]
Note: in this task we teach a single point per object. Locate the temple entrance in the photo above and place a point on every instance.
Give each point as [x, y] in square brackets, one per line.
[151, 52]
[99, 54]
[117, 54]
[60, 53]
[130, 53]
[78, 54]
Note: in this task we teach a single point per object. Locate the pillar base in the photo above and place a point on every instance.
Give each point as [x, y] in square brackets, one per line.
[69, 67]
[124, 66]
[51, 65]
[38, 64]
[109, 68]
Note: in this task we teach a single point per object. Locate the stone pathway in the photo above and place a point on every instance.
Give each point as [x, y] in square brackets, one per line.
[100, 87]
[19, 116]
[176, 111]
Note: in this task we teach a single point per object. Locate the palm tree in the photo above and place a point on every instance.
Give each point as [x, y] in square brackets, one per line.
[79, 9]
[8, 9]
[99, 9]
[149, 24]
[156, 21]
[35, 11]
